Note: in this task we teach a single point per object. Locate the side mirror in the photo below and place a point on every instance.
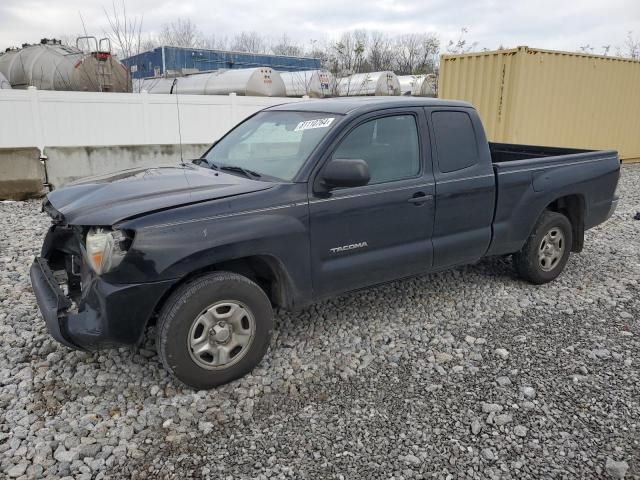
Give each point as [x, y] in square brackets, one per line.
[346, 173]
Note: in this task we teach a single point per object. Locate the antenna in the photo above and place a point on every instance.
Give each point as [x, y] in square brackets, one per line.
[174, 87]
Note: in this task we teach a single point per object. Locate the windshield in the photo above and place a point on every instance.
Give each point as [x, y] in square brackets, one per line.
[272, 143]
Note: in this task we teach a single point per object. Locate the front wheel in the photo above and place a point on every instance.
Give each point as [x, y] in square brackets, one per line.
[547, 249]
[214, 330]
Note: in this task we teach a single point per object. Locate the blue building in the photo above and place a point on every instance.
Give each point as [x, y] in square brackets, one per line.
[162, 60]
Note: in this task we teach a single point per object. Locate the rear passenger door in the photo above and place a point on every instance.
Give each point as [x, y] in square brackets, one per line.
[465, 187]
[371, 234]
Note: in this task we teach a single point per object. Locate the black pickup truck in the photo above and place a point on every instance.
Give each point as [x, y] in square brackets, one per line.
[297, 203]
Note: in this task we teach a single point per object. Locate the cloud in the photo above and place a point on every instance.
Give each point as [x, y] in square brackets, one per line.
[540, 23]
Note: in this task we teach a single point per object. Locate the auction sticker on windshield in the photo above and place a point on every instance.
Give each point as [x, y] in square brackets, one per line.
[317, 123]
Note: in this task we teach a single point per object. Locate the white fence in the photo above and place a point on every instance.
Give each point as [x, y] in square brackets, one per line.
[40, 118]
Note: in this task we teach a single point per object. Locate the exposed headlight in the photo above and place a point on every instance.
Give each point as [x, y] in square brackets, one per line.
[106, 248]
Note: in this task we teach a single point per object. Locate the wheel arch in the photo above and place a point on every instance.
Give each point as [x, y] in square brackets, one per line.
[268, 272]
[573, 207]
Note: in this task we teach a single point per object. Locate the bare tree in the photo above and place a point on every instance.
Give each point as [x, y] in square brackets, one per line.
[181, 33]
[250, 42]
[149, 43]
[285, 46]
[429, 51]
[125, 31]
[318, 49]
[380, 54]
[416, 53]
[347, 55]
[631, 47]
[587, 48]
[407, 49]
[461, 44]
[215, 43]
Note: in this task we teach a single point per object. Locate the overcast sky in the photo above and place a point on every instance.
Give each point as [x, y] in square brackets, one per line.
[554, 24]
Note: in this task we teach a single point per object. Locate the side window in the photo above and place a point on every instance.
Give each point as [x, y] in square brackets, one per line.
[455, 141]
[389, 145]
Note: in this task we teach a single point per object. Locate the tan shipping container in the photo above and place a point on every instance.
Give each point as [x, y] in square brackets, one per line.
[543, 97]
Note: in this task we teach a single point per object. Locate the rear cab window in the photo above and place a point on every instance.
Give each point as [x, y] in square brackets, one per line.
[455, 140]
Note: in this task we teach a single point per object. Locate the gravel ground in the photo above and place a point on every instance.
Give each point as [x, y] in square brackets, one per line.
[469, 373]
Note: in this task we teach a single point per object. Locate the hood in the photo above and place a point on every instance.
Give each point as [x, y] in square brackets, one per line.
[108, 199]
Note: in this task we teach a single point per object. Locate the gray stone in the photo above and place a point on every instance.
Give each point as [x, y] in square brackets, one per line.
[43, 452]
[600, 353]
[443, 357]
[502, 419]
[520, 431]
[126, 432]
[63, 455]
[476, 426]
[502, 353]
[205, 427]
[89, 450]
[17, 470]
[488, 454]
[412, 459]
[35, 471]
[616, 469]
[71, 441]
[491, 407]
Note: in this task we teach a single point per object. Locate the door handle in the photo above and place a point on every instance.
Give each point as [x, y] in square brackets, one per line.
[419, 198]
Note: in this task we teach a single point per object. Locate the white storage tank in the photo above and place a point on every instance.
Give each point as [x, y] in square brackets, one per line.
[4, 83]
[314, 83]
[374, 83]
[53, 66]
[418, 85]
[406, 84]
[154, 85]
[425, 86]
[257, 82]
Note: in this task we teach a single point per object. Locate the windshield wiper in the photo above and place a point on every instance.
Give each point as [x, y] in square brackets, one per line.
[233, 168]
[211, 164]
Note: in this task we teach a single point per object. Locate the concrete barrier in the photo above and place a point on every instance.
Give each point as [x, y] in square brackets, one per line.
[66, 164]
[21, 173]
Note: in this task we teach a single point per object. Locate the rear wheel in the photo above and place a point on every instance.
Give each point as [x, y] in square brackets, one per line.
[547, 249]
[214, 330]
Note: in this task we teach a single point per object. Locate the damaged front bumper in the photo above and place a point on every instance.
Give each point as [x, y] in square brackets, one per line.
[107, 315]
[51, 300]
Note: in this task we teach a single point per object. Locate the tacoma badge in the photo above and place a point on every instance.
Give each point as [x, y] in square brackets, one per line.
[353, 246]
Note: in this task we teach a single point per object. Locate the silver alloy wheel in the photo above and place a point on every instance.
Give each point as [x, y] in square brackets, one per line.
[551, 249]
[221, 335]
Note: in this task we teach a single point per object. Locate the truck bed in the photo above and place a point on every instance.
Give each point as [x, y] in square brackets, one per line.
[508, 152]
[532, 178]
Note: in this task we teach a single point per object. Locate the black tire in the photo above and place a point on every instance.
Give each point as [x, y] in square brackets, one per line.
[187, 304]
[527, 262]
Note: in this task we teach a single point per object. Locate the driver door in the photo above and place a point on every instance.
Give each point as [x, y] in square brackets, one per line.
[379, 232]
